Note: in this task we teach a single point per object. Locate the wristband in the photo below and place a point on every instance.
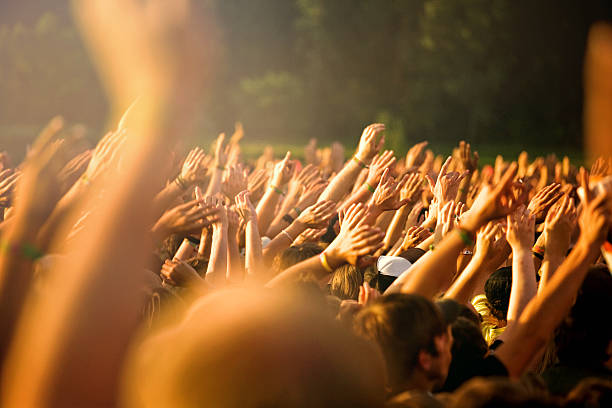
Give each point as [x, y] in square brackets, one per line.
[297, 210]
[277, 190]
[180, 181]
[287, 235]
[221, 168]
[360, 162]
[323, 259]
[370, 188]
[26, 250]
[432, 247]
[288, 218]
[466, 236]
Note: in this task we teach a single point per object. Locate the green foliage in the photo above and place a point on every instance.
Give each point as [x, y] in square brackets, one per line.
[488, 71]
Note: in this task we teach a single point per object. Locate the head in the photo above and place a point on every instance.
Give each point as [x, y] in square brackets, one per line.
[497, 290]
[584, 336]
[296, 254]
[413, 338]
[346, 281]
[469, 346]
[257, 348]
[483, 392]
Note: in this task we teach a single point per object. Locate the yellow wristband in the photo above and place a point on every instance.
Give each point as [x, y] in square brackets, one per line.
[324, 262]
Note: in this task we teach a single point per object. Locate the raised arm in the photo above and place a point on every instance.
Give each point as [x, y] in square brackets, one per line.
[369, 145]
[216, 273]
[519, 233]
[283, 171]
[544, 313]
[253, 263]
[352, 245]
[433, 272]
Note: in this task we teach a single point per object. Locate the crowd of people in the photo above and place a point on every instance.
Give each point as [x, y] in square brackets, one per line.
[136, 273]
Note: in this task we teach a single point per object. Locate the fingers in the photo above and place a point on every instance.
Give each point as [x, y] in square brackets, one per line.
[445, 166]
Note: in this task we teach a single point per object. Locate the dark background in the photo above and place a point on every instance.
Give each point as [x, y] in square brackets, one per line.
[502, 74]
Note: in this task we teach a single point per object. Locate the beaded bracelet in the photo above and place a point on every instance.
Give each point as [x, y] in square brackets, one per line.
[221, 168]
[288, 218]
[297, 210]
[369, 187]
[323, 259]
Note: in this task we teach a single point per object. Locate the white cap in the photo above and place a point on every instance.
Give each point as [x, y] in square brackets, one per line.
[392, 265]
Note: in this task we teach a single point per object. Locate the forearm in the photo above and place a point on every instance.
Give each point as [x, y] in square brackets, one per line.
[464, 286]
[524, 285]
[235, 271]
[464, 188]
[16, 272]
[214, 186]
[217, 264]
[265, 209]
[164, 199]
[311, 267]
[279, 222]
[544, 313]
[394, 231]
[254, 258]
[342, 183]
[549, 265]
[434, 273]
[362, 195]
[282, 241]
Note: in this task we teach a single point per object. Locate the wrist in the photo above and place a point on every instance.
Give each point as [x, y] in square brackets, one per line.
[334, 259]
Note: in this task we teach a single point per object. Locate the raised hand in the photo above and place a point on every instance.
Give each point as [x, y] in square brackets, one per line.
[447, 185]
[106, 155]
[520, 229]
[387, 195]
[543, 200]
[494, 202]
[367, 294]
[234, 181]
[370, 143]
[301, 179]
[189, 217]
[446, 221]
[468, 160]
[283, 170]
[487, 245]
[379, 164]
[245, 208]
[595, 220]
[257, 183]
[309, 235]
[180, 273]
[415, 156]
[71, 172]
[221, 151]
[8, 182]
[559, 225]
[310, 153]
[414, 236]
[233, 223]
[353, 243]
[317, 215]
[411, 191]
[39, 187]
[194, 169]
[311, 193]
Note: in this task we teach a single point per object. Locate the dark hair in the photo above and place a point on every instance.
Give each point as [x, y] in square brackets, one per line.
[346, 281]
[584, 335]
[486, 392]
[590, 392]
[497, 290]
[296, 254]
[402, 325]
[451, 310]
